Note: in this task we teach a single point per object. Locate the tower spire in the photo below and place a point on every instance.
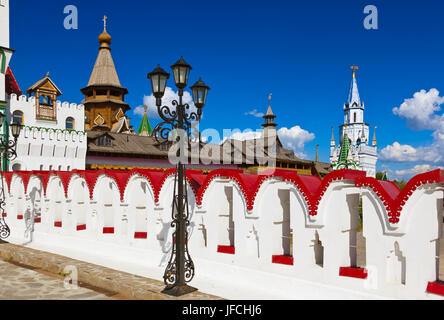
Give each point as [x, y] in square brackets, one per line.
[332, 141]
[374, 142]
[353, 95]
[269, 116]
[145, 127]
[317, 152]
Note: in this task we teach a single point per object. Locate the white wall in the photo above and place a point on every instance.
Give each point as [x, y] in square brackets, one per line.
[400, 256]
[45, 145]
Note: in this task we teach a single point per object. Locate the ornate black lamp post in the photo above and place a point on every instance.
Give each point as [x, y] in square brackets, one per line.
[7, 148]
[180, 268]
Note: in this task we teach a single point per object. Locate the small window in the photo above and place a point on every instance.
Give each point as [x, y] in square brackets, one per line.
[104, 141]
[70, 123]
[354, 115]
[17, 117]
[50, 168]
[16, 167]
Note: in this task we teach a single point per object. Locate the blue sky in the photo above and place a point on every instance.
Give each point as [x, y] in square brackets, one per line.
[300, 51]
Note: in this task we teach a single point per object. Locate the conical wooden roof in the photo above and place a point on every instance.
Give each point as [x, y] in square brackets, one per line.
[104, 72]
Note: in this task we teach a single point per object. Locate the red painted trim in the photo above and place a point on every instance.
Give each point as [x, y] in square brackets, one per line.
[19, 217]
[226, 249]
[436, 288]
[353, 272]
[140, 235]
[81, 227]
[5, 214]
[37, 220]
[58, 224]
[108, 230]
[280, 259]
[311, 188]
[394, 199]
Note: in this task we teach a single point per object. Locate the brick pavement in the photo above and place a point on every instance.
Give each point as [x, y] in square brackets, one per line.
[125, 284]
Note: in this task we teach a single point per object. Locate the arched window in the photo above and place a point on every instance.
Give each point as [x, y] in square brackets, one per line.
[17, 117]
[69, 123]
[16, 167]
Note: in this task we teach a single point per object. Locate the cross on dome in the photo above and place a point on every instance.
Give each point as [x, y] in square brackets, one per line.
[104, 21]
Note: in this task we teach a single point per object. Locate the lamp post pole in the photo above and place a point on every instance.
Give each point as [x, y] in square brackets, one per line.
[180, 268]
[8, 152]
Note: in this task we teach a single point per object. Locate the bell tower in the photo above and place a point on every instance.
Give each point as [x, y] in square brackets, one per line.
[269, 125]
[354, 150]
[105, 105]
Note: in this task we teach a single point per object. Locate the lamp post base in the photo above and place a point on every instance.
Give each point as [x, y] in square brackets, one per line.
[178, 290]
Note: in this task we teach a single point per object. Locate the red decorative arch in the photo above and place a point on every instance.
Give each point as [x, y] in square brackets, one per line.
[394, 199]
[25, 176]
[65, 177]
[90, 177]
[8, 178]
[312, 188]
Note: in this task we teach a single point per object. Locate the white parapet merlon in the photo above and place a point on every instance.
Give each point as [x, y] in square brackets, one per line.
[274, 236]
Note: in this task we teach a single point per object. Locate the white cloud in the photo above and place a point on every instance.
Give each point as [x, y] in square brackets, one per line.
[399, 153]
[417, 169]
[406, 153]
[167, 99]
[420, 110]
[254, 113]
[421, 113]
[246, 135]
[237, 134]
[295, 139]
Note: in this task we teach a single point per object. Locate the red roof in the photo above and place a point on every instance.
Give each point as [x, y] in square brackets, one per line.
[11, 83]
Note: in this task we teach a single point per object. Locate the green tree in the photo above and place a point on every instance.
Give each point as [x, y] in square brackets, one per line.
[401, 184]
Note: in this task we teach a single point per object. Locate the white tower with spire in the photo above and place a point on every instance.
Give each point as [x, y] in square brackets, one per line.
[357, 131]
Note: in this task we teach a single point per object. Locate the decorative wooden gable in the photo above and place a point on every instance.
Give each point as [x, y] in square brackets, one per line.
[45, 92]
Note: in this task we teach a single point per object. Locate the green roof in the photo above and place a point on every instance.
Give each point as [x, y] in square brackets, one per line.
[344, 162]
[145, 125]
[345, 147]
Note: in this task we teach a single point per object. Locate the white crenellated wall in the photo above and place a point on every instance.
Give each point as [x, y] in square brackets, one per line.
[47, 145]
[135, 210]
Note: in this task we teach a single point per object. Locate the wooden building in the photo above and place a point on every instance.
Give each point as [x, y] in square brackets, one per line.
[105, 105]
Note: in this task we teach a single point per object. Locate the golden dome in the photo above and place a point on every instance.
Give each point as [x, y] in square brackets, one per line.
[105, 38]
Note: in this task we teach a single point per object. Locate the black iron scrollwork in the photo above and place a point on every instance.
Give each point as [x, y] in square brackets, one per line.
[8, 150]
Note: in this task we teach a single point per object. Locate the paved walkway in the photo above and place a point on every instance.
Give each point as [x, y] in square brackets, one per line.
[22, 283]
[112, 283]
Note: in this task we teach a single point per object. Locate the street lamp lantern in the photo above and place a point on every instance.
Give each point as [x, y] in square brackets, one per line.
[158, 79]
[180, 267]
[181, 71]
[15, 129]
[200, 92]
